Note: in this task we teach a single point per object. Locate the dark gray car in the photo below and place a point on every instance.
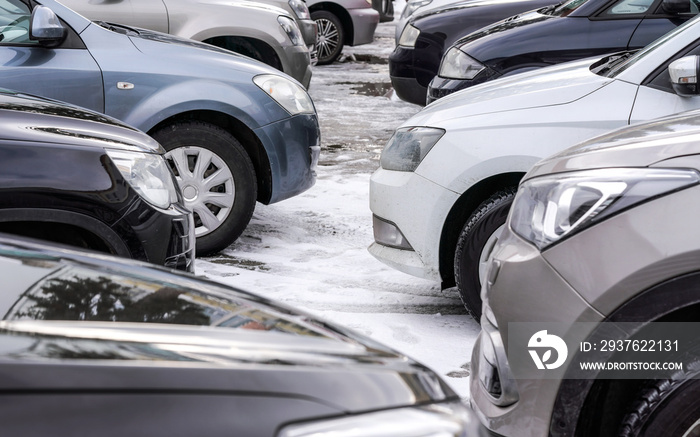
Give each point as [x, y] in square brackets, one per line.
[112, 348]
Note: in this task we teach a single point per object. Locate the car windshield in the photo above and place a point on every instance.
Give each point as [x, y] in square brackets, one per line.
[613, 65]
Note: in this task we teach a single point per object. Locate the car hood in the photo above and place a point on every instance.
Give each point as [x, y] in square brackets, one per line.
[173, 47]
[467, 4]
[639, 145]
[505, 25]
[75, 313]
[549, 86]
[29, 118]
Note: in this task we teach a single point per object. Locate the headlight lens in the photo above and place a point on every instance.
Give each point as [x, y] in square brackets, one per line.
[550, 208]
[408, 146]
[412, 5]
[409, 36]
[288, 94]
[300, 8]
[148, 174]
[458, 65]
[292, 30]
[438, 420]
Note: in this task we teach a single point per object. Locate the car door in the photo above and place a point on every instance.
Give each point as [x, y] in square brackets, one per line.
[66, 72]
[148, 14]
[658, 23]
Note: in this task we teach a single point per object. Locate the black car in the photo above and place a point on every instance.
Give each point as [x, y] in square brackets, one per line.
[111, 347]
[416, 58]
[80, 178]
[573, 30]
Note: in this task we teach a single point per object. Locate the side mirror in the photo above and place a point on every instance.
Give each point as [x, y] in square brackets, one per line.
[46, 28]
[684, 75]
[674, 7]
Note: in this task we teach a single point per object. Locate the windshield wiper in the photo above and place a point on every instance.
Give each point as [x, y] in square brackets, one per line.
[119, 28]
[606, 64]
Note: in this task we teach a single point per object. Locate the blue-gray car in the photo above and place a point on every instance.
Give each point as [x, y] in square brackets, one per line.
[236, 130]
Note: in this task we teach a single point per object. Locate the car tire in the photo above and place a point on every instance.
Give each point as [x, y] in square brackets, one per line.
[475, 243]
[217, 179]
[330, 36]
[666, 407]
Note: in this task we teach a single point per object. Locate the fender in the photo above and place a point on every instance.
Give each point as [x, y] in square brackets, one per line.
[193, 95]
[96, 227]
[651, 305]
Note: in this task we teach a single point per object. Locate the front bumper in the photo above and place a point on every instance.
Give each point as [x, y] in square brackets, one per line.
[293, 147]
[164, 237]
[522, 287]
[404, 74]
[364, 23]
[296, 62]
[309, 30]
[393, 197]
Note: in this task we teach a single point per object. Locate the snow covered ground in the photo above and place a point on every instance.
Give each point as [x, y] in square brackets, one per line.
[311, 251]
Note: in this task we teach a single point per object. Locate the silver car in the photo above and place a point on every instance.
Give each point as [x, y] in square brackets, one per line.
[601, 251]
[341, 23]
[262, 31]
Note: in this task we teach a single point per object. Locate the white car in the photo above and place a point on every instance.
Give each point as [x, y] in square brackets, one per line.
[449, 173]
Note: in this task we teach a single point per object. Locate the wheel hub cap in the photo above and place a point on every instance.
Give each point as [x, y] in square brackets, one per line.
[207, 186]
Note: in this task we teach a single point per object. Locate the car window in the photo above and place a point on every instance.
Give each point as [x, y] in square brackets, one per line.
[627, 7]
[14, 22]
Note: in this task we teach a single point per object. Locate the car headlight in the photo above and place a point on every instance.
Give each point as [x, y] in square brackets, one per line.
[458, 65]
[148, 174]
[411, 7]
[300, 9]
[291, 29]
[437, 420]
[288, 94]
[408, 146]
[409, 36]
[550, 208]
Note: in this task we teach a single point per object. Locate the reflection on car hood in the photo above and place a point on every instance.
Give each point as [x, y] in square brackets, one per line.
[30, 118]
[465, 5]
[549, 86]
[503, 26]
[639, 145]
[64, 309]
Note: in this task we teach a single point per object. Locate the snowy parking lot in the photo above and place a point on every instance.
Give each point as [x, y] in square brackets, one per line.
[311, 251]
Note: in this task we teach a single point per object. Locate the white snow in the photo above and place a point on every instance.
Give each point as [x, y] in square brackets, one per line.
[310, 251]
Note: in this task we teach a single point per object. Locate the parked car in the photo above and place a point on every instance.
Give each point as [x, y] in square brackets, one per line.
[120, 348]
[268, 31]
[414, 7]
[599, 236]
[448, 175]
[235, 130]
[77, 177]
[341, 23]
[416, 59]
[572, 30]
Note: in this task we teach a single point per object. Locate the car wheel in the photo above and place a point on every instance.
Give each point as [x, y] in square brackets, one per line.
[475, 243]
[217, 179]
[330, 36]
[667, 407]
